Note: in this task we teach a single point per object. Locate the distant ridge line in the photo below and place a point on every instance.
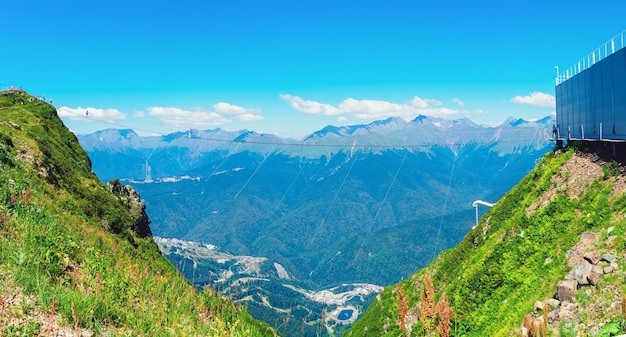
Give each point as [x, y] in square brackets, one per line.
[309, 144]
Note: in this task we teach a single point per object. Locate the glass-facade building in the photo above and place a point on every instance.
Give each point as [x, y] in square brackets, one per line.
[592, 103]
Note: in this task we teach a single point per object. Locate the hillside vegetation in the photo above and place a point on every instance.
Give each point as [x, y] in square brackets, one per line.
[77, 258]
[572, 204]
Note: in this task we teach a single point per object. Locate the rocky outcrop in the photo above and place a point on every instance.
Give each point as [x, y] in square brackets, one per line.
[588, 268]
[132, 200]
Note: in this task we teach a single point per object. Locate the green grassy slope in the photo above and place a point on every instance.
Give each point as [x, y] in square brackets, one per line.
[517, 255]
[72, 256]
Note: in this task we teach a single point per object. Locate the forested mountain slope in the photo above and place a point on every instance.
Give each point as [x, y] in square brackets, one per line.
[544, 261]
[77, 258]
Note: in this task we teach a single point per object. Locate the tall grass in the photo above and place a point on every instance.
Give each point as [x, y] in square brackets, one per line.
[67, 243]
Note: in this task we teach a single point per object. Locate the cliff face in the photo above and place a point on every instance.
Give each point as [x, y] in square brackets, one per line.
[547, 259]
[131, 199]
[77, 258]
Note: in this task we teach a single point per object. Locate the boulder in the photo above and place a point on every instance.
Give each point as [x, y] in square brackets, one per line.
[610, 258]
[594, 278]
[597, 269]
[592, 257]
[539, 306]
[580, 272]
[552, 303]
[608, 269]
[565, 290]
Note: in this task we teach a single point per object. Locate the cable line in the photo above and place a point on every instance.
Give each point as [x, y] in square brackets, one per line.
[332, 203]
[301, 168]
[380, 206]
[443, 210]
[253, 173]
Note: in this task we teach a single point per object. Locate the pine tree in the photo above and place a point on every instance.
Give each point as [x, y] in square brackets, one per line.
[427, 303]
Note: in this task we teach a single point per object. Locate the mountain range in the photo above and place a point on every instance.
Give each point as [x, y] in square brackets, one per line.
[347, 204]
[307, 204]
[77, 258]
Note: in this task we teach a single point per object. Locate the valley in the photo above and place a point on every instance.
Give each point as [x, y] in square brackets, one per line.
[287, 226]
[243, 278]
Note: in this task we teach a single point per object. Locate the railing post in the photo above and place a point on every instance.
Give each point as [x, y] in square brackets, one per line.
[582, 132]
[569, 132]
[600, 131]
[612, 46]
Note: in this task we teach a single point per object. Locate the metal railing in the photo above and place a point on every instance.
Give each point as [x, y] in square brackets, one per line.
[606, 49]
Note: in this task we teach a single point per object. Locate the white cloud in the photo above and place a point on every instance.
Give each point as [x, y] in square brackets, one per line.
[90, 113]
[536, 98]
[179, 118]
[241, 113]
[458, 102]
[372, 109]
[366, 108]
[139, 114]
[228, 109]
[310, 107]
[480, 111]
[249, 117]
[424, 103]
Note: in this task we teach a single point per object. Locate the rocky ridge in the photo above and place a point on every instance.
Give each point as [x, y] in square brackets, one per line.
[592, 260]
[583, 301]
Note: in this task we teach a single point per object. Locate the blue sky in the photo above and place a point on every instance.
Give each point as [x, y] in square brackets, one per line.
[293, 67]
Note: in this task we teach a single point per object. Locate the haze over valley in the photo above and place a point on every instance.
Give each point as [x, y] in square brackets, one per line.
[353, 205]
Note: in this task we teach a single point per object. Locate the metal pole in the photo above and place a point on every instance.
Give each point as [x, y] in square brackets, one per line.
[612, 46]
[476, 214]
[557, 74]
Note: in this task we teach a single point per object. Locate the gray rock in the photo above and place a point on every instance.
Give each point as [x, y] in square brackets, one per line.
[582, 271]
[610, 258]
[597, 269]
[592, 257]
[567, 310]
[594, 278]
[538, 306]
[552, 303]
[607, 270]
[565, 290]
